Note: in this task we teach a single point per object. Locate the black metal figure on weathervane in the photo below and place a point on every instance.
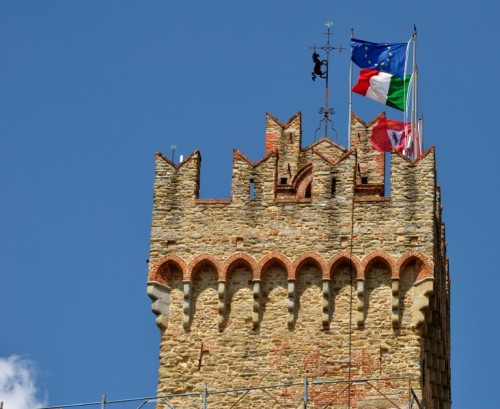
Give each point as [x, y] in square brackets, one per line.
[318, 71]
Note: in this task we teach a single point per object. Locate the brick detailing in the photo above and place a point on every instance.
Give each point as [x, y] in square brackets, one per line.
[170, 268]
[234, 344]
[237, 260]
[344, 257]
[309, 257]
[274, 258]
[302, 183]
[425, 265]
[201, 261]
[158, 270]
[378, 256]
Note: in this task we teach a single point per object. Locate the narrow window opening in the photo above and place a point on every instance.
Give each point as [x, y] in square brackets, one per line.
[423, 372]
[308, 191]
[252, 190]
[334, 186]
[364, 180]
[283, 181]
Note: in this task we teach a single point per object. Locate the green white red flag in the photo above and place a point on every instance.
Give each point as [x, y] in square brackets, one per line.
[389, 134]
[383, 87]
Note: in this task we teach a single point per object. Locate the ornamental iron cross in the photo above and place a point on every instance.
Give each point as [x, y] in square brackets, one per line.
[321, 70]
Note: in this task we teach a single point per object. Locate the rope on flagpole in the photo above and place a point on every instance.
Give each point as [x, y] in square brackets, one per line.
[350, 97]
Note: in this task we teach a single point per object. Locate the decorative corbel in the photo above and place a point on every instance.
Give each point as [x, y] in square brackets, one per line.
[186, 305]
[257, 302]
[291, 303]
[325, 318]
[423, 290]
[160, 302]
[395, 302]
[221, 307]
[360, 291]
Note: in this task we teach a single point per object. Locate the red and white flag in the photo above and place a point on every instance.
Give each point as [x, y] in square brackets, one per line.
[389, 134]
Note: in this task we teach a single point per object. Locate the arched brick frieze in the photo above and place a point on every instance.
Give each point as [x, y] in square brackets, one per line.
[229, 286]
[424, 264]
[378, 255]
[275, 288]
[339, 259]
[273, 258]
[308, 290]
[345, 258]
[164, 276]
[309, 257]
[236, 260]
[380, 289]
[202, 260]
[422, 286]
[157, 271]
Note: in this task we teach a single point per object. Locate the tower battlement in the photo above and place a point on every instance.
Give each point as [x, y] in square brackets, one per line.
[309, 258]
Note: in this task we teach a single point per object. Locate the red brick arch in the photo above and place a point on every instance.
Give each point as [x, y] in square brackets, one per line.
[271, 258]
[338, 259]
[424, 264]
[379, 255]
[309, 257]
[155, 271]
[302, 181]
[205, 258]
[238, 259]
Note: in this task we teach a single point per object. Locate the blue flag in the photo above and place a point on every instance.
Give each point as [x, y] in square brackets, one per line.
[387, 57]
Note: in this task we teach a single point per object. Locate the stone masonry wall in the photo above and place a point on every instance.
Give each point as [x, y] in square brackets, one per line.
[239, 356]
[324, 277]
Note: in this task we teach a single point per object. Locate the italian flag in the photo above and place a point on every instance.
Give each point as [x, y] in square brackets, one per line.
[389, 134]
[383, 87]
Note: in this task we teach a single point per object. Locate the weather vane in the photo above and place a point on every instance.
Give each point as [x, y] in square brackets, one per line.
[321, 70]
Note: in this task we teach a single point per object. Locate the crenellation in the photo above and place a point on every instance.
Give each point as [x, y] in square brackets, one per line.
[371, 163]
[308, 269]
[286, 140]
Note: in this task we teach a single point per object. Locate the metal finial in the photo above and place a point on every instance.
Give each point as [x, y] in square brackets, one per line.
[321, 70]
[173, 147]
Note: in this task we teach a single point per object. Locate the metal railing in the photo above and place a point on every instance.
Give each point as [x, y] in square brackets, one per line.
[396, 392]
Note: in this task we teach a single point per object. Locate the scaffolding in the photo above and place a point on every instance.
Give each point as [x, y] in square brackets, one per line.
[387, 393]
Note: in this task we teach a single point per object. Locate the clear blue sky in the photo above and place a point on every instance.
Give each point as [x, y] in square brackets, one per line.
[90, 89]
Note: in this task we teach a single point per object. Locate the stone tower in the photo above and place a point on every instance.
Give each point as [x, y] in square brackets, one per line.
[312, 283]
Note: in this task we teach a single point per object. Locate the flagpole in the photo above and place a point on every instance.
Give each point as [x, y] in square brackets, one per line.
[409, 94]
[409, 98]
[415, 87]
[405, 119]
[350, 98]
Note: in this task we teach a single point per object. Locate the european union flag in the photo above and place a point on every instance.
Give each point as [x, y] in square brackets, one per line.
[387, 57]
